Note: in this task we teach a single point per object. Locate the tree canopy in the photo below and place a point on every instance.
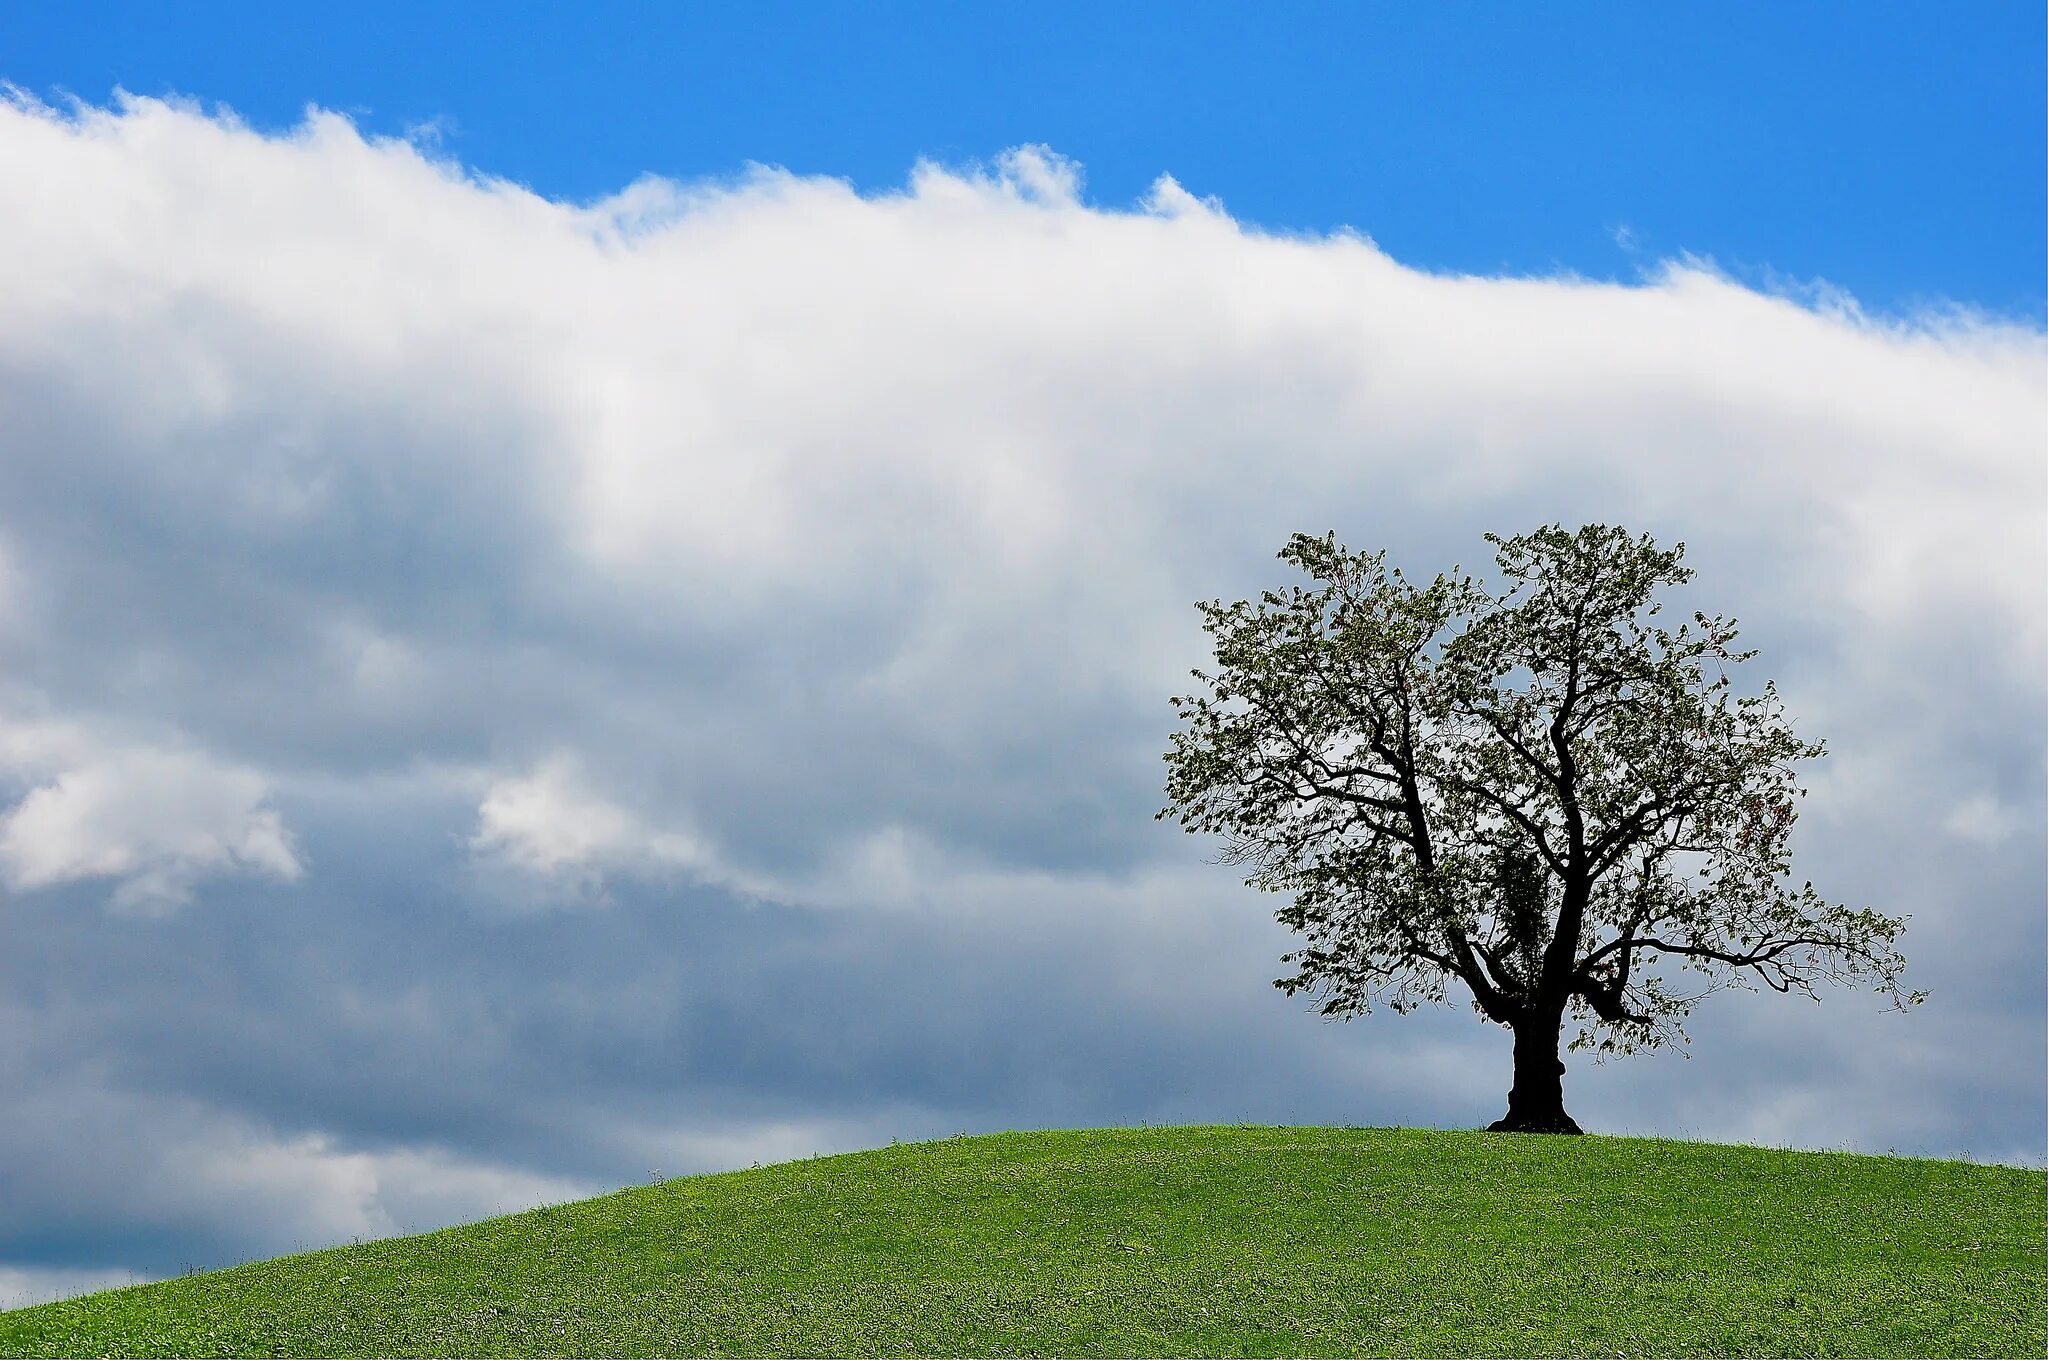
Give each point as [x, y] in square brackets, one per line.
[1535, 788]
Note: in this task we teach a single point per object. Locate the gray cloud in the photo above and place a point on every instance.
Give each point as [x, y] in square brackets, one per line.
[500, 697]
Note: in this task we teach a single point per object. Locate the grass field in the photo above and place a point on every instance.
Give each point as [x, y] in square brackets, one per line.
[1186, 1241]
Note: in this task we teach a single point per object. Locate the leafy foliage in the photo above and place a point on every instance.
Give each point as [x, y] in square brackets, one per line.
[1538, 789]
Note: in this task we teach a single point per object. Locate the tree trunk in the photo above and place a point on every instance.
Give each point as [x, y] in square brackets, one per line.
[1536, 1103]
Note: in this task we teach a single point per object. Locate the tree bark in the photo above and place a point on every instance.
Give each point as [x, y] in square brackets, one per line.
[1536, 1102]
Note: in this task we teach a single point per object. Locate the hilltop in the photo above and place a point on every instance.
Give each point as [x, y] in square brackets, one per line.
[1190, 1241]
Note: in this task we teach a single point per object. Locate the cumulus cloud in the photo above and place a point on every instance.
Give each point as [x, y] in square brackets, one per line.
[801, 574]
[549, 820]
[154, 819]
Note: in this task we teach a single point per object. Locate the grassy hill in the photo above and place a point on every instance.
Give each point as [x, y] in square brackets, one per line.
[1188, 1241]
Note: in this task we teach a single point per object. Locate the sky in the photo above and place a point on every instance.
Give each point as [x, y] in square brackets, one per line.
[588, 598]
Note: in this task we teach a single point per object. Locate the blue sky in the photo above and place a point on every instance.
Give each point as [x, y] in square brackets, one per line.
[532, 652]
[1893, 149]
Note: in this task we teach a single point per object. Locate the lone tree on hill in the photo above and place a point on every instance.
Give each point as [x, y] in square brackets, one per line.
[1539, 792]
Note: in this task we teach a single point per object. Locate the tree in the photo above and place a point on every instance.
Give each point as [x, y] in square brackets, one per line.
[1537, 790]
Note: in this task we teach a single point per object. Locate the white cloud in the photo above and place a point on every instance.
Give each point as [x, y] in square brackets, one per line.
[228, 1182]
[552, 823]
[816, 523]
[1984, 819]
[335, 1195]
[24, 1286]
[156, 819]
[550, 820]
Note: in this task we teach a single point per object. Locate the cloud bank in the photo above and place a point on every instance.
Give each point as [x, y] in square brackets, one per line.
[499, 696]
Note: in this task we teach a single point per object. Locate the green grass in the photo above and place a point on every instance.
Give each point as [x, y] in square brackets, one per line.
[1190, 1241]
